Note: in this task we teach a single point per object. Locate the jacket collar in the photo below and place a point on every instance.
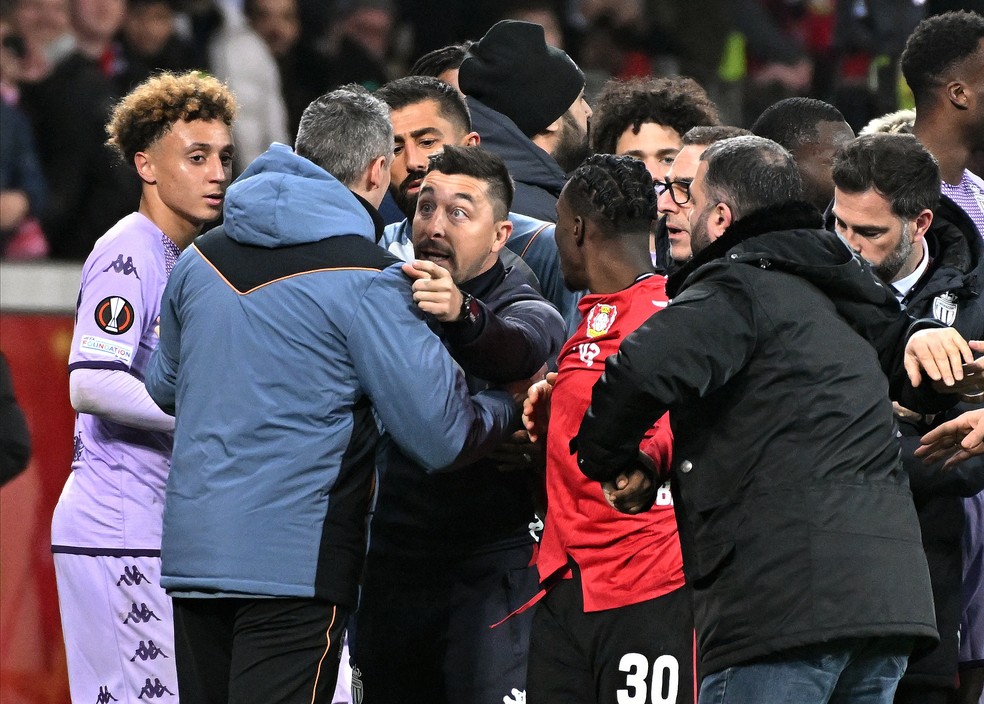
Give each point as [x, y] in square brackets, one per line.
[791, 215]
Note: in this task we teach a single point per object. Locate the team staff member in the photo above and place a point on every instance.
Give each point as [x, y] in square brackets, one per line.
[450, 552]
[106, 529]
[285, 334]
[616, 617]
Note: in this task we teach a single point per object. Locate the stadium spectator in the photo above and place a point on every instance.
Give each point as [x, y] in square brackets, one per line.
[67, 100]
[149, 42]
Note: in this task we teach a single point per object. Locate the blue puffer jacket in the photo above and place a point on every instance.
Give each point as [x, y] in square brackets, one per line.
[281, 333]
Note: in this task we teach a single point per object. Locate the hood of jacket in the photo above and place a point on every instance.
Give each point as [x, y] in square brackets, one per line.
[527, 162]
[283, 199]
[790, 238]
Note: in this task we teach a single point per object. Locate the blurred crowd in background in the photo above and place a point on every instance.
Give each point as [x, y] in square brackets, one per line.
[64, 62]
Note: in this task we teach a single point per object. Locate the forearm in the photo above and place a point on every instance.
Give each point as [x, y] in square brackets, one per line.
[117, 396]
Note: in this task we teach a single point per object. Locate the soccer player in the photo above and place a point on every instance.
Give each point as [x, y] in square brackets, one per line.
[106, 530]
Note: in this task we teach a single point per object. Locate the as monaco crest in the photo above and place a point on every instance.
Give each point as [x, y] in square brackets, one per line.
[945, 308]
[600, 319]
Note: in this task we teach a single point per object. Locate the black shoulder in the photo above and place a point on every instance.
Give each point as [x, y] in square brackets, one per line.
[247, 266]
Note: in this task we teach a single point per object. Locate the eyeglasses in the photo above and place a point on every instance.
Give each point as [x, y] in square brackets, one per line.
[679, 190]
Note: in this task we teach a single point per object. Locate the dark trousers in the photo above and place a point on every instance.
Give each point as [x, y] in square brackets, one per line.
[262, 651]
[638, 653]
[422, 633]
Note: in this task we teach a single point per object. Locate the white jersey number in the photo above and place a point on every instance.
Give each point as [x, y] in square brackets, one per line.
[665, 680]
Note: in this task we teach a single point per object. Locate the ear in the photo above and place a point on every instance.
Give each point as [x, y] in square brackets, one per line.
[957, 95]
[549, 136]
[472, 139]
[503, 230]
[923, 221]
[579, 231]
[720, 219]
[377, 173]
[144, 167]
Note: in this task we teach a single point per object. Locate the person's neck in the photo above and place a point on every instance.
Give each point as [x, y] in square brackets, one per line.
[616, 271]
[945, 144]
[176, 228]
[93, 48]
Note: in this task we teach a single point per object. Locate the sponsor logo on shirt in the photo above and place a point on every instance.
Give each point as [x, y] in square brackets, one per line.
[107, 347]
[600, 319]
[123, 267]
[114, 315]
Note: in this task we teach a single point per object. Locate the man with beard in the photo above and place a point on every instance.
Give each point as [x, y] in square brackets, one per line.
[427, 114]
[674, 202]
[527, 101]
[450, 552]
[777, 357]
[887, 205]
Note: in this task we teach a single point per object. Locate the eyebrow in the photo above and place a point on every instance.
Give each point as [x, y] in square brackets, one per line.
[860, 229]
[206, 146]
[456, 196]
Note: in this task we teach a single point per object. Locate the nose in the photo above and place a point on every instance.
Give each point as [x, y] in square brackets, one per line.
[218, 172]
[416, 158]
[665, 204]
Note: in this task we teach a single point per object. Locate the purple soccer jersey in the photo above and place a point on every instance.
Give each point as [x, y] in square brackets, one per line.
[114, 498]
[969, 195]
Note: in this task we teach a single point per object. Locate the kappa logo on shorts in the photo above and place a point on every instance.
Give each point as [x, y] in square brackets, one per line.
[114, 315]
[154, 690]
[518, 697]
[105, 696]
[120, 267]
[148, 651]
[140, 615]
[132, 577]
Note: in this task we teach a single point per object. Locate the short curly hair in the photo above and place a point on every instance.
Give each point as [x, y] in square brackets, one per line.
[615, 192]
[678, 103]
[937, 44]
[146, 113]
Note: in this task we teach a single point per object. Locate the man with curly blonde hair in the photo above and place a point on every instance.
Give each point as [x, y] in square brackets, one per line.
[174, 130]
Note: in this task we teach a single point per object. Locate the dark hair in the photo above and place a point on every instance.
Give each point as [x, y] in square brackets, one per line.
[896, 165]
[794, 122]
[344, 131]
[709, 134]
[937, 44]
[677, 103]
[484, 165]
[436, 62]
[148, 112]
[750, 173]
[615, 192]
[410, 90]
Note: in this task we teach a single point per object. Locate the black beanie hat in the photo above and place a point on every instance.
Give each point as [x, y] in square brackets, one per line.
[513, 71]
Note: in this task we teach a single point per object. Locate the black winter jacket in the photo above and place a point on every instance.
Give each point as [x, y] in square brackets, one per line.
[796, 519]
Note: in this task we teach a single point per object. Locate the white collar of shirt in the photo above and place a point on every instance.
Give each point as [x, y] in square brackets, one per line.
[902, 286]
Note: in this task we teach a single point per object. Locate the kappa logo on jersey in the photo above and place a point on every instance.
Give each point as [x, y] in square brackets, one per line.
[587, 351]
[148, 651]
[154, 691]
[945, 308]
[114, 315]
[132, 577]
[141, 615]
[518, 696]
[105, 696]
[92, 343]
[600, 319]
[123, 267]
[78, 448]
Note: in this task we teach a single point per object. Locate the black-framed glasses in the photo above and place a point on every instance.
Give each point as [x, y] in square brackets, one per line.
[679, 190]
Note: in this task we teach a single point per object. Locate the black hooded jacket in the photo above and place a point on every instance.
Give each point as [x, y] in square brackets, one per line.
[796, 519]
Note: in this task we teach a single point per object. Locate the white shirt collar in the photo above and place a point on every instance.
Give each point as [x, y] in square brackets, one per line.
[903, 286]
